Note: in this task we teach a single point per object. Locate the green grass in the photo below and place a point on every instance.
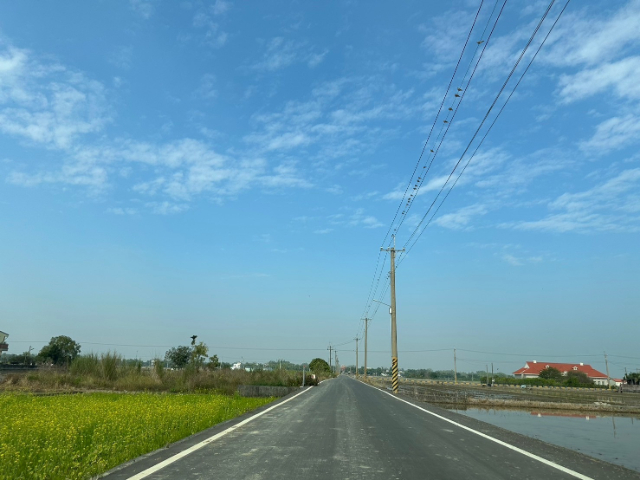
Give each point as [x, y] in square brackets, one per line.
[79, 436]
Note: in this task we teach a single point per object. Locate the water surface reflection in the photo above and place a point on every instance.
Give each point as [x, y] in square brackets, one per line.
[615, 439]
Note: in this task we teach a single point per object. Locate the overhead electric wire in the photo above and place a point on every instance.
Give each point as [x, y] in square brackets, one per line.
[372, 292]
[452, 117]
[489, 129]
[435, 120]
[504, 85]
[447, 123]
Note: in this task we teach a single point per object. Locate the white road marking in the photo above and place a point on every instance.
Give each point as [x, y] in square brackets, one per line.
[499, 442]
[198, 446]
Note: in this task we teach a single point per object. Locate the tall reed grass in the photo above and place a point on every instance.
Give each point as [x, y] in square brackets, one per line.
[109, 371]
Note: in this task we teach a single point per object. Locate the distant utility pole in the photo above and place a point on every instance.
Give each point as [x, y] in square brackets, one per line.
[27, 354]
[394, 331]
[335, 352]
[455, 367]
[329, 348]
[492, 374]
[606, 362]
[487, 374]
[357, 357]
[366, 325]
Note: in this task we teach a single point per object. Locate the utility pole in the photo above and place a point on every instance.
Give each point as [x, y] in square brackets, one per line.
[357, 357]
[455, 367]
[606, 362]
[335, 352]
[366, 325]
[329, 348]
[27, 354]
[492, 374]
[487, 374]
[394, 330]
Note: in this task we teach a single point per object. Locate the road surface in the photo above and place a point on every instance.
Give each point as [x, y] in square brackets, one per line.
[344, 429]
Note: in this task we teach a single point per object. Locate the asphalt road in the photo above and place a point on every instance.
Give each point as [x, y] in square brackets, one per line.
[343, 429]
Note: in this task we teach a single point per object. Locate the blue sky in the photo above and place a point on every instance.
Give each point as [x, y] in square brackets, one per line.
[230, 170]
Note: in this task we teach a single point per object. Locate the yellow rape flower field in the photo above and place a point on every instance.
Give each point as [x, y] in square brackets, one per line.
[79, 436]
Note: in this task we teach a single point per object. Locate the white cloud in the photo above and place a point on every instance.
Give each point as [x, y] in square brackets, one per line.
[460, 219]
[316, 59]
[214, 36]
[46, 103]
[613, 134]
[360, 219]
[144, 8]
[580, 39]
[604, 207]
[220, 7]
[511, 260]
[167, 208]
[281, 53]
[618, 77]
[122, 57]
[122, 211]
[520, 261]
[348, 125]
[206, 90]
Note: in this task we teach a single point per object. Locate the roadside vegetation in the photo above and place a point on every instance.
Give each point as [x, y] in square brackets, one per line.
[80, 436]
[59, 367]
[68, 415]
[111, 372]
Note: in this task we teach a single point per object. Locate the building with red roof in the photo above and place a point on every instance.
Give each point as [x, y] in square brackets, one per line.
[532, 369]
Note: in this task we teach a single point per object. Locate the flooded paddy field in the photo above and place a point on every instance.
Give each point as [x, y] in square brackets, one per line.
[612, 438]
[475, 395]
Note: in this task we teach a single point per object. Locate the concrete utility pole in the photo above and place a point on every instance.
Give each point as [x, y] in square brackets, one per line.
[492, 374]
[357, 357]
[27, 354]
[329, 348]
[335, 352]
[394, 331]
[606, 362]
[366, 325]
[487, 374]
[455, 367]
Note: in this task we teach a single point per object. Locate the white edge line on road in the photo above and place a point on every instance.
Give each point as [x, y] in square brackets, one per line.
[499, 442]
[198, 446]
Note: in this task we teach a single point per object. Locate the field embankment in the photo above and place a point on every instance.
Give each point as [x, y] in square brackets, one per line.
[466, 395]
[79, 436]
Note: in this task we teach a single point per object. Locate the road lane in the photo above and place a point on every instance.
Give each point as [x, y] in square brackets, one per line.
[344, 429]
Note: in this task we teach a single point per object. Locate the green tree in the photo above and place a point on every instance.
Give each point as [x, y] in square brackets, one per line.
[577, 379]
[61, 350]
[178, 356]
[318, 366]
[551, 373]
[198, 353]
[214, 362]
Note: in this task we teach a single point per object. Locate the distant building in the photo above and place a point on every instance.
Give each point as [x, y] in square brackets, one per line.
[236, 366]
[3, 345]
[533, 369]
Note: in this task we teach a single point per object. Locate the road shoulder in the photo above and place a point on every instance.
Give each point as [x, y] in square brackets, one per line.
[143, 462]
[579, 462]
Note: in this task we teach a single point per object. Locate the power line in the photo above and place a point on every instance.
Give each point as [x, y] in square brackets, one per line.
[435, 120]
[504, 85]
[488, 130]
[372, 291]
[448, 121]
